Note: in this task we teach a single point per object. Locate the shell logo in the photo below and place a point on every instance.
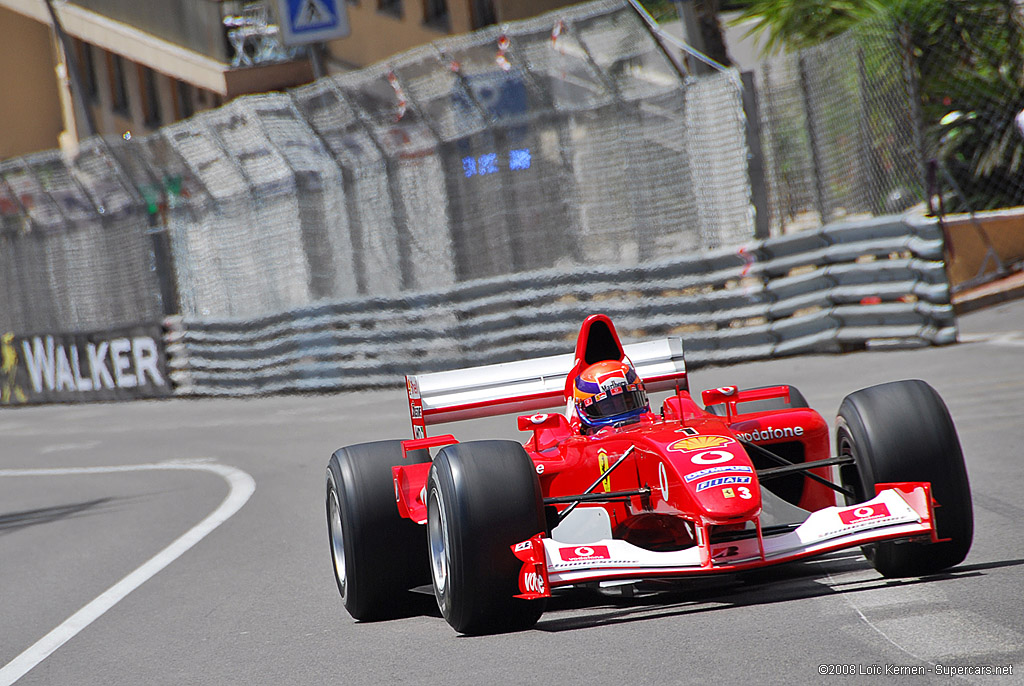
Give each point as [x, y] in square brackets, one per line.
[700, 443]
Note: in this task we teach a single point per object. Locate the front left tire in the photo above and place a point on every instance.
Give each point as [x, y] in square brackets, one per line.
[483, 497]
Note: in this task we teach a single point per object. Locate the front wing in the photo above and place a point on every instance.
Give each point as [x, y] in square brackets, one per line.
[899, 510]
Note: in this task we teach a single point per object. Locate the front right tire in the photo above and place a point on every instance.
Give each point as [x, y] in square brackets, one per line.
[377, 555]
[902, 431]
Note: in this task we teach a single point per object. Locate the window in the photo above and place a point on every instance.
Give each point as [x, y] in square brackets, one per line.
[483, 13]
[150, 98]
[435, 14]
[393, 7]
[118, 87]
[184, 100]
[87, 68]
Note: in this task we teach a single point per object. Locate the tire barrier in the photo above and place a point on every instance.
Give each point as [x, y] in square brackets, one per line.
[874, 283]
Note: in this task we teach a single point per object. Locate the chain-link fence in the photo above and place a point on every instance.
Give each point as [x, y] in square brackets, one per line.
[919, 102]
[565, 141]
[838, 134]
[75, 250]
[967, 67]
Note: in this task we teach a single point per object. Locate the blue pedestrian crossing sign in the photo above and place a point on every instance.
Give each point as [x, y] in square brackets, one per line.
[312, 21]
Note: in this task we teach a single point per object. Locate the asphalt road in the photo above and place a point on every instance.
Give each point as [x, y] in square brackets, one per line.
[167, 581]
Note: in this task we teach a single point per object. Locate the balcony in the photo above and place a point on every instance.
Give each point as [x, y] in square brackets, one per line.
[196, 25]
[229, 47]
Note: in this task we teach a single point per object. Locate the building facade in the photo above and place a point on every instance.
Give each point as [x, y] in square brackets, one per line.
[73, 68]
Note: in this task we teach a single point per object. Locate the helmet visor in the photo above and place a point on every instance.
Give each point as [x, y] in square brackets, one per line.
[612, 404]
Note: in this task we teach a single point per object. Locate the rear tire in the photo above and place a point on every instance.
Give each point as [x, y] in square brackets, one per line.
[902, 431]
[483, 497]
[376, 553]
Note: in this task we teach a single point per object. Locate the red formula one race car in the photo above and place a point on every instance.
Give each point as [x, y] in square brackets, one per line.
[613, 493]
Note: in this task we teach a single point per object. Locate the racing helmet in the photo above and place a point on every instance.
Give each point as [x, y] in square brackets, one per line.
[608, 393]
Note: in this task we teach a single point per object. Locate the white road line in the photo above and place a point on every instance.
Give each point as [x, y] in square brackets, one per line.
[1010, 338]
[241, 487]
[833, 582]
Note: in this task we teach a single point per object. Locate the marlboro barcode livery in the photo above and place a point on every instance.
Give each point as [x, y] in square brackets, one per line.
[609, 491]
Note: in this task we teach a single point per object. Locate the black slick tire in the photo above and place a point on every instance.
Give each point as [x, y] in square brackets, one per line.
[482, 498]
[375, 553]
[902, 431]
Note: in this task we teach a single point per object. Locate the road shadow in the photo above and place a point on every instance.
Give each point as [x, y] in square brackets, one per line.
[785, 583]
[416, 602]
[662, 599]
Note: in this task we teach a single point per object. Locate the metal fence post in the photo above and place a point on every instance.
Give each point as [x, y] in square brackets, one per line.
[755, 157]
[914, 101]
[812, 133]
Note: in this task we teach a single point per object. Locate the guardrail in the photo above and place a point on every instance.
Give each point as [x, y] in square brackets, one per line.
[877, 282]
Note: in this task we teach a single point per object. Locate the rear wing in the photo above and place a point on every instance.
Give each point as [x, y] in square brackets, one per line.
[526, 385]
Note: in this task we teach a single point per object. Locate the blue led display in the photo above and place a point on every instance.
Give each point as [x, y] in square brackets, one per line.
[488, 163]
[519, 159]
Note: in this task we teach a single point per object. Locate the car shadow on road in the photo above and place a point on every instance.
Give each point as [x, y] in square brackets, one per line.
[795, 581]
[416, 602]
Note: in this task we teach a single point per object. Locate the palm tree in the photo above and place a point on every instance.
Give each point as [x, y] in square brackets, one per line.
[965, 59]
[802, 23]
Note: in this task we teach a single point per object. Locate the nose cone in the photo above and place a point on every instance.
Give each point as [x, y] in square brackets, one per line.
[727, 498]
[719, 477]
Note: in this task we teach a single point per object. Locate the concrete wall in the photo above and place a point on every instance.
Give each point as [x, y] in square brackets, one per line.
[377, 35]
[28, 84]
[511, 10]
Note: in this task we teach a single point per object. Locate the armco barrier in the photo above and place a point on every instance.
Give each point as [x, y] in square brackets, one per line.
[846, 286]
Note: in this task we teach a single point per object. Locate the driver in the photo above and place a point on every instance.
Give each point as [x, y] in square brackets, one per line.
[609, 393]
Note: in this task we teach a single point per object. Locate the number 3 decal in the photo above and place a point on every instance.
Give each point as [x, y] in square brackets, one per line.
[744, 492]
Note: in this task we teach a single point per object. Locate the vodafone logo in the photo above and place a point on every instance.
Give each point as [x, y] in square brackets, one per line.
[712, 457]
[538, 418]
[584, 552]
[532, 582]
[864, 513]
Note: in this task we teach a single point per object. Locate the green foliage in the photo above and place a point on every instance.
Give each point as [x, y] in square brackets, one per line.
[661, 10]
[803, 23]
[962, 56]
[969, 61]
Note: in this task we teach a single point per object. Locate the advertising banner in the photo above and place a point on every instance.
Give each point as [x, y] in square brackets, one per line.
[119, 364]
